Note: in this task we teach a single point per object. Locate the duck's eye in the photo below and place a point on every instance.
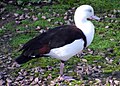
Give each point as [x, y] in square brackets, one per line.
[90, 10]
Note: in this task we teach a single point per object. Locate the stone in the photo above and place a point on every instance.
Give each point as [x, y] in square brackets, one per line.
[16, 14]
[106, 27]
[36, 79]
[38, 28]
[117, 82]
[34, 18]
[2, 82]
[43, 17]
[19, 78]
[31, 78]
[8, 80]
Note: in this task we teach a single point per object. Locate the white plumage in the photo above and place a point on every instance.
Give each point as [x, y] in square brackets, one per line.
[66, 52]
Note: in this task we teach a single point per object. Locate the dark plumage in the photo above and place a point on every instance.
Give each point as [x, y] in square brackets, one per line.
[53, 38]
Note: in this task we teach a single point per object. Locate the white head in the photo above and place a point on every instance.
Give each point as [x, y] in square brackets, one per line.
[83, 13]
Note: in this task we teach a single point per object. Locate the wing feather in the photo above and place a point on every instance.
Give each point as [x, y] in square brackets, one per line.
[53, 38]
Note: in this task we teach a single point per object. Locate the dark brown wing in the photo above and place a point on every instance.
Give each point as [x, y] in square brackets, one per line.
[53, 38]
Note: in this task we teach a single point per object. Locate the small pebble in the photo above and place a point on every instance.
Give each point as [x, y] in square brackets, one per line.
[84, 60]
[106, 27]
[38, 28]
[16, 14]
[65, 17]
[19, 78]
[36, 79]
[2, 82]
[34, 18]
[31, 78]
[21, 17]
[117, 82]
[44, 17]
[49, 20]
[98, 80]
[3, 18]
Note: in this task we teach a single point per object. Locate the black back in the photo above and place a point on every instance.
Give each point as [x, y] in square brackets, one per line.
[54, 38]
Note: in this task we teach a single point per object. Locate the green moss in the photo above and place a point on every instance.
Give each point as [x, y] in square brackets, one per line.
[9, 26]
[19, 11]
[42, 23]
[10, 8]
[20, 39]
[1, 32]
[92, 59]
[99, 6]
[108, 69]
[25, 22]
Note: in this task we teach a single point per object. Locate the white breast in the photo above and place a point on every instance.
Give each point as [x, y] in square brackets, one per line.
[88, 29]
[66, 52]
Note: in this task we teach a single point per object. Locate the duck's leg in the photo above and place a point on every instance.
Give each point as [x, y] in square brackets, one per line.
[62, 76]
[61, 68]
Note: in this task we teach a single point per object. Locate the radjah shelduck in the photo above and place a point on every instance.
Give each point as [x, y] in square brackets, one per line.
[62, 42]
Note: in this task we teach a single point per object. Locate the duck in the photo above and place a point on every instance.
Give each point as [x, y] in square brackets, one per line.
[62, 42]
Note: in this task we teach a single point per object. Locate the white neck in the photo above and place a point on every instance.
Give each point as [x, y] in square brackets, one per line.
[86, 26]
